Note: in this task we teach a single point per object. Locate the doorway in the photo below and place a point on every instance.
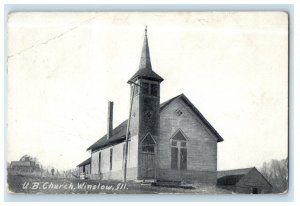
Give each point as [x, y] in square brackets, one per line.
[147, 163]
[254, 190]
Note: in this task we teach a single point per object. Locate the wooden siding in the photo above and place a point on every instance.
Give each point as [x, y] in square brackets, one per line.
[88, 169]
[201, 143]
[253, 179]
[81, 169]
[117, 161]
[201, 148]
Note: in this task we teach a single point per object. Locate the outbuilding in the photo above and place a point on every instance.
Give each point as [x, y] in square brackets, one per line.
[247, 181]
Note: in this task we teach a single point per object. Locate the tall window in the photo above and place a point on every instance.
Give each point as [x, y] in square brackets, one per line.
[179, 151]
[99, 162]
[110, 159]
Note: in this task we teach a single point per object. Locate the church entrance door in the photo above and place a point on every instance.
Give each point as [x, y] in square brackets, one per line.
[148, 165]
[148, 158]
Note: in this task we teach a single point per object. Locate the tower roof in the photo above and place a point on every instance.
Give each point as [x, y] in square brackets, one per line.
[145, 68]
[145, 62]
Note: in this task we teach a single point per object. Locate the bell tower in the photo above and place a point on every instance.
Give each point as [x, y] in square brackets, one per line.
[145, 114]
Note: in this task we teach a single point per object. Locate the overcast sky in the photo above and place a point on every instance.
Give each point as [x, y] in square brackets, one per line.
[64, 67]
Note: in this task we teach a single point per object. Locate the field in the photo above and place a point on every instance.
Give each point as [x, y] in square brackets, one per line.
[53, 185]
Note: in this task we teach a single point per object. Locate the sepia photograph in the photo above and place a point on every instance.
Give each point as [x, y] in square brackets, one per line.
[147, 103]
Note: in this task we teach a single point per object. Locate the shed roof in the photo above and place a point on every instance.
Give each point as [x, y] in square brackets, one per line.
[232, 177]
[118, 136]
[234, 172]
[85, 162]
[119, 133]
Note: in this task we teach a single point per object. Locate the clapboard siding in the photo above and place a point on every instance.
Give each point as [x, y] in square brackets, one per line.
[248, 180]
[201, 144]
[88, 169]
[95, 163]
[201, 148]
[254, 179]
[117, 161]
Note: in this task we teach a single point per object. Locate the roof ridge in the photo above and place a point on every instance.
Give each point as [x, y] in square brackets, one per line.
[119, 134]
[237, 169]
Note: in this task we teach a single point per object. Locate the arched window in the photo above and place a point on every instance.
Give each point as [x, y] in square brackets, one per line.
[179, 151]
[148, 144]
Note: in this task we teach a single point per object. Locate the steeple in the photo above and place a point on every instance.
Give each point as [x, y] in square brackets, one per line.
[145, 68]
[145, 61]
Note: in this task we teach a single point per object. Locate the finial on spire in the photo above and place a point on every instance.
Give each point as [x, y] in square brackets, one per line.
[145, 30]
[145, 68]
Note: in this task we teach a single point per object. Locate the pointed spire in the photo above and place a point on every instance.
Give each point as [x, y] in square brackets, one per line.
[145, 70]
[145, 62]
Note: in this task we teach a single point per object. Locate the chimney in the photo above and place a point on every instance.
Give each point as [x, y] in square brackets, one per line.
[110, 119]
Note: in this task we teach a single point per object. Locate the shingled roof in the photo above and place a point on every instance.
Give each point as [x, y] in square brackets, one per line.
[119, 133]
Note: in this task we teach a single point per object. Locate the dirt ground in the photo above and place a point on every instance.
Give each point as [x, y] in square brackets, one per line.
[53, 185]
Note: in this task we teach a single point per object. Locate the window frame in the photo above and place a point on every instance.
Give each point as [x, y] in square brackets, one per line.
[147, 88]
[148, 144]
[145, 91]
[99, 162]
[181, 146]
[152, 89]
[110, 159]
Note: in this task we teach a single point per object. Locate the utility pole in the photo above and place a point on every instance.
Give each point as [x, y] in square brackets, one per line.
[128, 126]
[127, 132]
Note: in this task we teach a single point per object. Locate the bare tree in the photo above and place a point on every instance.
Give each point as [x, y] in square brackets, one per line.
[276, 171]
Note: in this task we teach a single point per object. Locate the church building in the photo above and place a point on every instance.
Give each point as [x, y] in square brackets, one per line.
[170, 141]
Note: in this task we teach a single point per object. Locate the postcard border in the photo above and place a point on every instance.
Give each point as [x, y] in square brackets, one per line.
[289, 8]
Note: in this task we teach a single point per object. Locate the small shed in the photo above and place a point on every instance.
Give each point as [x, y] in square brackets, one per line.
[246, 181]
[85, 167]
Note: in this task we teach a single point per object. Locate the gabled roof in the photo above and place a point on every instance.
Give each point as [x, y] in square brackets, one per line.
[21, 163]
[119, 133]
[85, 162]
[198, 113]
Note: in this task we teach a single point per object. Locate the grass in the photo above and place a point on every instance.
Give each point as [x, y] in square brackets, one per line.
[54, 185]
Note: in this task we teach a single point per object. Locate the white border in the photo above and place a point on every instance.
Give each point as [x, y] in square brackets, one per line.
[294, 84]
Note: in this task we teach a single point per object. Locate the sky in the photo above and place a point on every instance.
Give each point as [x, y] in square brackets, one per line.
[63, 68]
